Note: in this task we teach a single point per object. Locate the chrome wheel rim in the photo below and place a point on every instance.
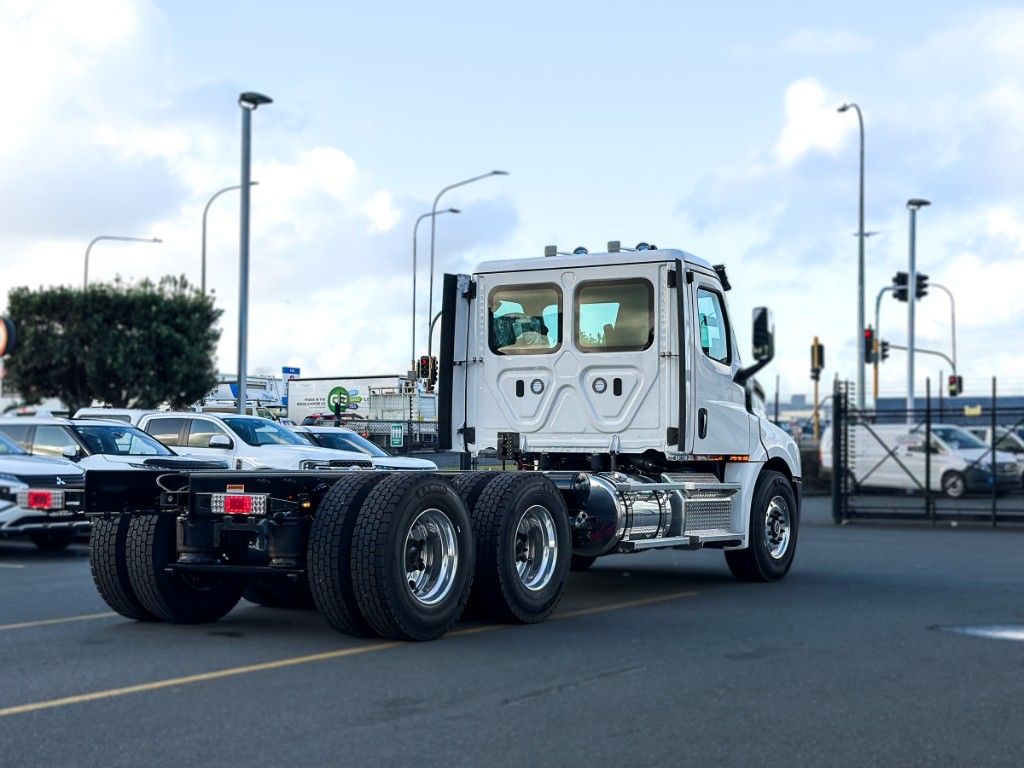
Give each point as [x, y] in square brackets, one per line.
[777, 527]
[431, 556]
[536, 548]
[954, 486]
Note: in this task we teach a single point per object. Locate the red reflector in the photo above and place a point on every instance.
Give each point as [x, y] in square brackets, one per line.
[236, 504]
[39, 499]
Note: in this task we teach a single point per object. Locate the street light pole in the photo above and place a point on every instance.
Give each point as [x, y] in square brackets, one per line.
[952, 319]
[433, 229]
[415, 229]
[248, 101]
[878, 339]
[860, 263]
[206, 210]
[914, 205]
[85, 276]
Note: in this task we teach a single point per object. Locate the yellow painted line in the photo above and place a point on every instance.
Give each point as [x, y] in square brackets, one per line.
[64, 620]
[202, 677]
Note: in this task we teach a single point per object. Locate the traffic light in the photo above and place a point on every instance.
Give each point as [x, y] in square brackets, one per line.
[423, 370]
[884, 350]
[899, 284]
[869, 345]
[956, 385]
[817, 359]
[922, 285]
[432, 374]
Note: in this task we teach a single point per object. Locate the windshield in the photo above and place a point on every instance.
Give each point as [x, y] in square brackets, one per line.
[957, 438]
[120, 440]
[348, 441]
[10, 448]
[262, 432]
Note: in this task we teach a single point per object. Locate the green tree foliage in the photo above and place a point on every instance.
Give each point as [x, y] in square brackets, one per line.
[128, 346]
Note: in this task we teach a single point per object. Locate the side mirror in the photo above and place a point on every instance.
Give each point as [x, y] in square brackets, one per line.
[221, 441]
[70, 452]
[763, 335]
[764, 345]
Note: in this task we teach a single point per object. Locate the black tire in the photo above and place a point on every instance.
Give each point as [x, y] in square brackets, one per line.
[381, 556]
[109, 566]
[280, 593]
[498, 590]
[52, 541]
[329, 553]
[174, 597]
[756, 562]
[954, 484]
[581, 562]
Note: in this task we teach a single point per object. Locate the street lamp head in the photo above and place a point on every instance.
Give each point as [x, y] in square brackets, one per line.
[915, 203]
[251, 100]
[454, 210]
[844, 108]
[499, 173]
[157, 240]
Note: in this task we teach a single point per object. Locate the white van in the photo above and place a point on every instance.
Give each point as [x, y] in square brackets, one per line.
[248, 442]
[893, 456]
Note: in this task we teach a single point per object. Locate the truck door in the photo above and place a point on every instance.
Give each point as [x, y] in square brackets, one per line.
[721, 424]
[454, 364]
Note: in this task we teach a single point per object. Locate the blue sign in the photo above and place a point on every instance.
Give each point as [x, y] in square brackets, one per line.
[290, 373]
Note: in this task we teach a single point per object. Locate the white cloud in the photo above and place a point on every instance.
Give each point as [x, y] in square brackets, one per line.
[812, 123]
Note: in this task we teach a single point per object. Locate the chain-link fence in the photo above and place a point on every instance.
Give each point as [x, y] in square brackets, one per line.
[964, 462]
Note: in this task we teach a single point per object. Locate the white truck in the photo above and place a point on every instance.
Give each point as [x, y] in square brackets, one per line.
[614, 382]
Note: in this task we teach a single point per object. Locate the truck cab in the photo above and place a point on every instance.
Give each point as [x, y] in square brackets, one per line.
[615, 369]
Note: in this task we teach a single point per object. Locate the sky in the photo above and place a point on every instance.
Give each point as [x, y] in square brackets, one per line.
[709, 128]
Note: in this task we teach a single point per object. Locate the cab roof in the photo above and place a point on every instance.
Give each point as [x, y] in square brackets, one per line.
[594, 260]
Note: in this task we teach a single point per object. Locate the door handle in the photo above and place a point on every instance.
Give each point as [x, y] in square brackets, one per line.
[702, 423]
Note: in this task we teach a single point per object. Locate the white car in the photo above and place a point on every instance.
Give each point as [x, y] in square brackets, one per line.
[126, 415]
[894, 456]
[247, 442]
[344, 439]
[97, 444]
[51, 522]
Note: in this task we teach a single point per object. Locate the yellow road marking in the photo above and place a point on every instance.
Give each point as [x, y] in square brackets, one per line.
[293, 661]
[65, 620]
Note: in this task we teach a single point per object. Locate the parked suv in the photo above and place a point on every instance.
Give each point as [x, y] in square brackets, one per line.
[49, 489]
[97, 444]
[126, 415]
[247, 442]
[344, 439]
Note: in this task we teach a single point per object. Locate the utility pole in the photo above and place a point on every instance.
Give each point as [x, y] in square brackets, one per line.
[914, 205]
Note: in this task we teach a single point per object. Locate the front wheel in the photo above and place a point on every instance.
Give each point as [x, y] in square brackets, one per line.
[774, 522]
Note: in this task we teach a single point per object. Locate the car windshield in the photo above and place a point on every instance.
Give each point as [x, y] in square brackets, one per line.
[348, 441]
[120, 440]
[957, 438]
[10, 448]
[262, 432]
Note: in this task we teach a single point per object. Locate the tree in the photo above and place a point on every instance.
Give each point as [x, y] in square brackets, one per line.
[128, 346]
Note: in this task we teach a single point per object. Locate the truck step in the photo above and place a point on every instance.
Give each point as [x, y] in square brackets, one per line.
[689, 541]
[700, 485]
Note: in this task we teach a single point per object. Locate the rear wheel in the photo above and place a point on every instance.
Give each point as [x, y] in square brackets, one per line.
[954, 485]
[107, 561]
[52, 541]
[774, 522]
[412, 557]
[329, 553]
[523, 544]
[177, 597]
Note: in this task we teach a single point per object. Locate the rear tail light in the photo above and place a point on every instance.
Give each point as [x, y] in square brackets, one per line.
[238, 503]
[36, 498]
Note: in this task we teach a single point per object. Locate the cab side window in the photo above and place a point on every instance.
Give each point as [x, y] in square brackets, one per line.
[18, 433]
[713, 325]
[167, 431]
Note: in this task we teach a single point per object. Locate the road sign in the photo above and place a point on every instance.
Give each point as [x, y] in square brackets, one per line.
[290, 373]
[397, 435]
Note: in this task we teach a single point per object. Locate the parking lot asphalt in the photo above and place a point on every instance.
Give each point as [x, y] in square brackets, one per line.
[856, 658]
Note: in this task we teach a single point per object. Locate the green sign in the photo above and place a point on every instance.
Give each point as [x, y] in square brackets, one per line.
[397, 436]
[348, 400]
